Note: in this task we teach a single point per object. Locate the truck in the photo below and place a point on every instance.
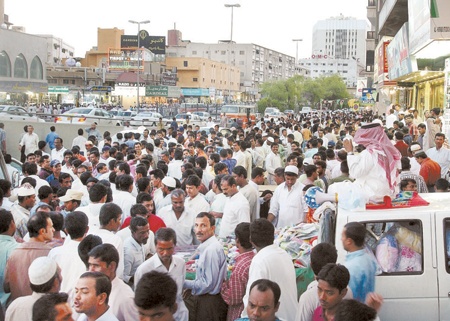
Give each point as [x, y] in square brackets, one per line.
[414, 275]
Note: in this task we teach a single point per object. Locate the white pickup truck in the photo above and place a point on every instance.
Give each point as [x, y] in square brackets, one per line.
[415, 283]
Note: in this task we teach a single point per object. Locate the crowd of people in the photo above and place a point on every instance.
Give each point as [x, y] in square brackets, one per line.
[91, 232]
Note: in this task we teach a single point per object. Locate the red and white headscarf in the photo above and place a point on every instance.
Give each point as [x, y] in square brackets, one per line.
[374, 139]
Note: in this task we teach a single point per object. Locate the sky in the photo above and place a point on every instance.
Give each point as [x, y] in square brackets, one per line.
[271, 24]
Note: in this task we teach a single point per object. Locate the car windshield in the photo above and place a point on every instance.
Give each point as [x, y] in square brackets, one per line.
[2, 108]
[183, 116]
[145, 115]
[83, 111]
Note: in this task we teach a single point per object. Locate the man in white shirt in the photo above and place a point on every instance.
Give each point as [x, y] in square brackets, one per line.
[195, 202]
[58, 151]
[440, 154]
[104, 258]
[273, 161]
[273, 263]
[390, 119]
[179, 218]
[237, 208]
[175, 165]
[80, 140]
[166, 262]
[249, 192]
[237, 154]
[287, 206]
[122, 196]
[66, 256]
[30, 140]
[110, 222]
[97, 198]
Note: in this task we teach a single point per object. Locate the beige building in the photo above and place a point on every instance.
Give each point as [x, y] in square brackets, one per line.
[106, 39]
[218, 78]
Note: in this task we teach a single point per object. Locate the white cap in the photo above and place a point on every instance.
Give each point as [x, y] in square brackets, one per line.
[42, 270]
[416, 148]
[26, 190]
[291, 169]
[169, 182]
[264, 135]
[71, 195]
[270, 139]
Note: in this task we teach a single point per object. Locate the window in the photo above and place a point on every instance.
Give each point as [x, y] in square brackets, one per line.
[242, 52]
[20, 67]
[5, 65]
[194, 79]
[223, 52]
[36, 69]
[194, 52]
[185, 63]
[65, 81]
[52, 81]
[396, 245]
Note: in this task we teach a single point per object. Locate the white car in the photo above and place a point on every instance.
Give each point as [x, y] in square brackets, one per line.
[17, 113]
[87, 116]
[270, 110]
[202, 114]
[306, 110]
[146, 118]
[191, 117]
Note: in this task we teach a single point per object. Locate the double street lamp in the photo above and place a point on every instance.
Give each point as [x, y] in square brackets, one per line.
[138, 55]
[232, 6]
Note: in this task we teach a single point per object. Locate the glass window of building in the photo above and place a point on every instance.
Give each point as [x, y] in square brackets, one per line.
[5, 65]
[20, 67]
[36, 71]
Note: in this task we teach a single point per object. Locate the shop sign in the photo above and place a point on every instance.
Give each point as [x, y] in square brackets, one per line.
[57, 89]
[195, 92]
[156, 91]
[174, 92]
[125, 59]
[156, 44]
[23, 87]
[169, 79]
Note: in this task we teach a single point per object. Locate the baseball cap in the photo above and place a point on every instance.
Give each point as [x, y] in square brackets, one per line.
[54, 162]
[42, 270]
[71, 195]
[181, 129]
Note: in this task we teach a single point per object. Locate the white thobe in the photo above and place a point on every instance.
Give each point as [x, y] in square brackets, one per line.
[288, 206]
[236, 210]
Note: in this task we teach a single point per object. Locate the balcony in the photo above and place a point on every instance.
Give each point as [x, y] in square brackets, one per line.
[392, 16]
[372, 11]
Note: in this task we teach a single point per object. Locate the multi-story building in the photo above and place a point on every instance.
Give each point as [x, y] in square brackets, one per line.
[256, 64]
[414, 41]
[57, 50]
[341, 38]
[339, 46]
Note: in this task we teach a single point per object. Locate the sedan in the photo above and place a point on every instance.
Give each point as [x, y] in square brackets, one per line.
[17, 113]
[86, 116]
[146, 117]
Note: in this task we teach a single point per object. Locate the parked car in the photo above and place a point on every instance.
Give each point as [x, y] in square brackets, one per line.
[87, 116]
[17, 113]
[191, 117]
[146, 118]
[270, 110]
[288, 111]
[306, 110]
[202, 114]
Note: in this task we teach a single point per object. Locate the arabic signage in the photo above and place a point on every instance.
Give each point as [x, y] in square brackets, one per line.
[58, 89]
[104, 89]
[195, 92]
[125, 59]
[169, 79]
[156, 44]
[23, 87]
[163, 91]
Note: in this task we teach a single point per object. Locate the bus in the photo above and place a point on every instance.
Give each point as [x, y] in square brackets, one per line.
[242, 113]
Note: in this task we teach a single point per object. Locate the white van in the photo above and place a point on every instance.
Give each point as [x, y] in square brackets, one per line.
[270, 110]
[415, 283]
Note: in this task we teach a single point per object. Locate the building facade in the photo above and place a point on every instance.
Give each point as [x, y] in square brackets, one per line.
[57, 50]
[23, 77]
[256, 64]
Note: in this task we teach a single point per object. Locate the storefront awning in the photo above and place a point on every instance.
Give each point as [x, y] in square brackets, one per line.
[420, 76]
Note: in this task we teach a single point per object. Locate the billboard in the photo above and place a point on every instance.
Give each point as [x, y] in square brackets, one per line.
[399, 61]
[125, 59]
[156, 44]
[440, 19]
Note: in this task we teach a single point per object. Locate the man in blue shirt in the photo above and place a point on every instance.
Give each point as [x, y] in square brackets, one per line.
[7, 245]
[50, 138]
[360, 264]
[202, 295]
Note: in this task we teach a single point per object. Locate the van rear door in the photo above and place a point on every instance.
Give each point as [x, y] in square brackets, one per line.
[443, 263]
[409, 283]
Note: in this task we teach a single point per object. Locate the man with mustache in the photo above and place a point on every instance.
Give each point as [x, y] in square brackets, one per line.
[202, 295]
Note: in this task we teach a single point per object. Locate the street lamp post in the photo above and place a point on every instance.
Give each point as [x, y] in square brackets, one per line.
[232, 6]
[296, 52]
[138, 56]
